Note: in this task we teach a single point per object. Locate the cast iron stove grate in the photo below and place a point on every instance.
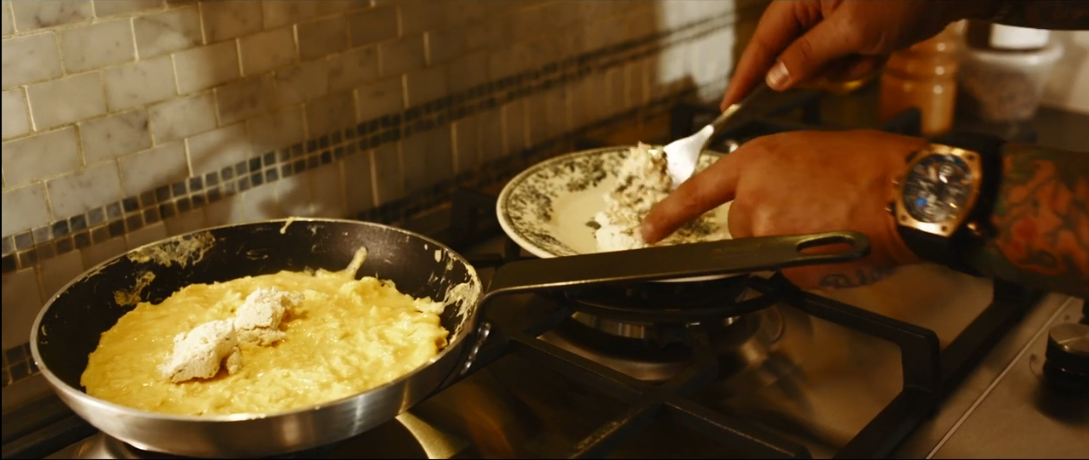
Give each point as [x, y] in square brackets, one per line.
[929, 373]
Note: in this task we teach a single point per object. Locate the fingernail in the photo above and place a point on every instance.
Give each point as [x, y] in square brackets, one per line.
[646, 229]
[778, 76]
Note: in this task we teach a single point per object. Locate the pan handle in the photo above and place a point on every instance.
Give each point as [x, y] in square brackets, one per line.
[743, 255]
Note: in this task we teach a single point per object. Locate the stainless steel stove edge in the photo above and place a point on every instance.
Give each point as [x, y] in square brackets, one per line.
[995, 412]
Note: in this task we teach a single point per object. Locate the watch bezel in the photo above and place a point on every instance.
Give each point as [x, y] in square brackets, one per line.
[947, 227]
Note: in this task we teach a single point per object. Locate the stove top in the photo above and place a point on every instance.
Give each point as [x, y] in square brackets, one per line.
[809, 376]
[929, 362]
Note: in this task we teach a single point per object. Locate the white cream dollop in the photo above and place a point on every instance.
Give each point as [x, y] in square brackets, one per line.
[642, 181]
[200, 352]
[258, 319]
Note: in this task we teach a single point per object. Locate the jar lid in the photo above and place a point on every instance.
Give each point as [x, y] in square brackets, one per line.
[944, 42]
[983, 35]
[1018, 38]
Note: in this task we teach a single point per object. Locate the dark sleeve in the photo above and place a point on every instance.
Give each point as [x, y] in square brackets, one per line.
[1042, 14]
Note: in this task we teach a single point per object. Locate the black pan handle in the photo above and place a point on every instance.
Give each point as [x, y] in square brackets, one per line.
[743, 255]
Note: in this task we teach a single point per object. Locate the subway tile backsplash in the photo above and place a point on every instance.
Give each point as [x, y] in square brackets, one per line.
[72, 194]
[29, 16]
[111, 136]
[48, 154]
[167, 31]
[24, 207]
[266, 51]
[121, 7]
[66, 100]
[16, 115]
[182, 117]
[140, 83]
[97, 45]
[225, 20]
[127, 121]
[206, 66]
[31, 58]
[145, 170]
[7, 28]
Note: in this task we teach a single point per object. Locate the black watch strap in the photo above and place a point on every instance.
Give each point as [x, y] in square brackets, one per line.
[931, 247]
[956, 250]
[984, 144]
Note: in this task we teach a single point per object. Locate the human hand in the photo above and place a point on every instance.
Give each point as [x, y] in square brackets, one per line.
[799, 183]
[797, 41]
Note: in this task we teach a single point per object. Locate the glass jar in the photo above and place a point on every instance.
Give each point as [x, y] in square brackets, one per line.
[924, 77]
[1004, 71]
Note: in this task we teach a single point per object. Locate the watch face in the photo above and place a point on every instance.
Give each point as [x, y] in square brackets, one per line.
[937, 188]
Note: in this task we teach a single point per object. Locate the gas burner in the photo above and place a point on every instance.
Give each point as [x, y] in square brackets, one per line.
[104, 446]
[738, 343]
[661, 334]
[621, 328]
[644, 317]
[665, 303]
[657, 313]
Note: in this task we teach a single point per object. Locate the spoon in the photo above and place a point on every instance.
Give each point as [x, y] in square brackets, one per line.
[682, 155]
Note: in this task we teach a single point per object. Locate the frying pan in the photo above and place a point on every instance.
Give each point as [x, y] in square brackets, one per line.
[69, 326]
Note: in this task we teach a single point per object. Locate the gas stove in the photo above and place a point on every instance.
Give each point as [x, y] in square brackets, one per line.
[927, 363]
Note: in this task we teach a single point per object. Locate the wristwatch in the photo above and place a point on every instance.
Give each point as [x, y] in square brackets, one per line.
[942, 202]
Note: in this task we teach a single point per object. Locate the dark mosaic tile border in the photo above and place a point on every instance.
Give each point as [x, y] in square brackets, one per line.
[26, 249]
[18, 364]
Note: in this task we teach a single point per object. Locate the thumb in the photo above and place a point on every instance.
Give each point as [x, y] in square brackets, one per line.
[804, 58]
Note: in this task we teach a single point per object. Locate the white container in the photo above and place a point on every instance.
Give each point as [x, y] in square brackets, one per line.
[1004, 86]
[1018, 38]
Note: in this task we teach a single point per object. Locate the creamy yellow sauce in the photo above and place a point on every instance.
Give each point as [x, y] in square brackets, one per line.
[345, 337]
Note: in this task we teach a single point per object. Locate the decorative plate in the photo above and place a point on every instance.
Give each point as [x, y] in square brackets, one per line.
[548, 208]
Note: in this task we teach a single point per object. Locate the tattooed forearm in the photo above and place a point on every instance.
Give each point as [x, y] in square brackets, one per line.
[1045, 14]
[1041, 221]
[861, 277]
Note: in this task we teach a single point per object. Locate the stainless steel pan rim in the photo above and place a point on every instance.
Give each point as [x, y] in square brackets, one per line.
[76, 393]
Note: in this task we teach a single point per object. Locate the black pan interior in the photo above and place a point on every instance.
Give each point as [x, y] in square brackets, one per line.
[73, 322]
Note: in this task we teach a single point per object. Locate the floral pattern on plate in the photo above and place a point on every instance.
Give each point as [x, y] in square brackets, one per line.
[549, 208]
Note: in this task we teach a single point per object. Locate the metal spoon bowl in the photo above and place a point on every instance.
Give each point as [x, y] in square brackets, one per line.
[682, 155]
